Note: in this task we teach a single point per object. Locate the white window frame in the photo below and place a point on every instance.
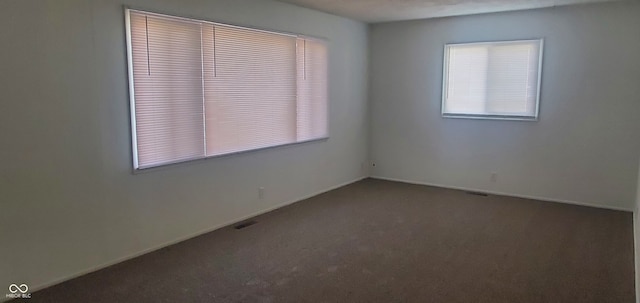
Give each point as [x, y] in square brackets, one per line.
[132, 107]
[445, 77]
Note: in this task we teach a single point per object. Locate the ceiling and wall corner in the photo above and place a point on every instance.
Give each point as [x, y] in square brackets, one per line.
[374, 11]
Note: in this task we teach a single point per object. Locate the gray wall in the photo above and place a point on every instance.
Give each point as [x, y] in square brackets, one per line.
[69, 202]
[584, 149]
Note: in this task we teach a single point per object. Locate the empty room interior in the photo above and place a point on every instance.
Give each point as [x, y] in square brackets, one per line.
[319, 150]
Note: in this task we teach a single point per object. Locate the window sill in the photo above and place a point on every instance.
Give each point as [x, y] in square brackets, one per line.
[145, 169]
[491, 117]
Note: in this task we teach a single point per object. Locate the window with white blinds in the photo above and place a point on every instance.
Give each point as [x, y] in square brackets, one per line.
[499, 80]
[202, 89]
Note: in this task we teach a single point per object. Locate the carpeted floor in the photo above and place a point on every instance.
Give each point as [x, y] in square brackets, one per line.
[381, 241]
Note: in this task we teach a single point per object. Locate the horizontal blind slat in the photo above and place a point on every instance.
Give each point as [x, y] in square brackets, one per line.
[204, 89]
[312, 109]
[167, 72]
[493, 78]
[250, 96]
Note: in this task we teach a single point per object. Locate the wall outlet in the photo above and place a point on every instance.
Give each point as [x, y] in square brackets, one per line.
[494, 177]
[260, 193]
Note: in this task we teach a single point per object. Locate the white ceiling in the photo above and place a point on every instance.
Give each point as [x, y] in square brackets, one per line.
[394, 10]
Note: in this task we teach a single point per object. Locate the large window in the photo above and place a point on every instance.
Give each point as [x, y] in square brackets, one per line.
[202, 89]
[498, 80]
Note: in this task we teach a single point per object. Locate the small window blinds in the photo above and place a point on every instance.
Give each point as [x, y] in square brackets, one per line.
[201, 89]
[492, 80]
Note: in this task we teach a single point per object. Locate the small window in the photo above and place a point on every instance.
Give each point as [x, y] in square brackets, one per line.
[492, 80]
[200, 89]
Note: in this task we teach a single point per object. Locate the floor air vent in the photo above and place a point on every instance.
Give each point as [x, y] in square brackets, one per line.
[244, 224]
[475, 193]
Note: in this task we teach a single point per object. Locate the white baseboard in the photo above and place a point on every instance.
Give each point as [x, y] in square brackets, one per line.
[504, 194]
[187, 237]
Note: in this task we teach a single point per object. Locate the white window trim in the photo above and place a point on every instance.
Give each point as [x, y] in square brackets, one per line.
[445, 76]
[132, 112]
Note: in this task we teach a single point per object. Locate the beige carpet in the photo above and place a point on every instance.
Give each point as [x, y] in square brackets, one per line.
[381, 241]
